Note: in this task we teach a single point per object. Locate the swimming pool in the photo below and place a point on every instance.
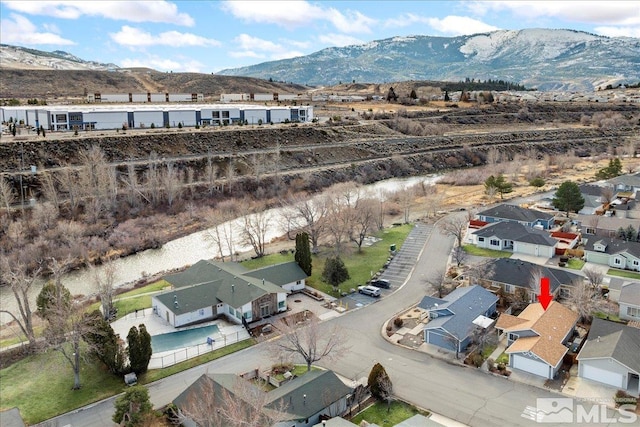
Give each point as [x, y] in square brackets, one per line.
[185, 338]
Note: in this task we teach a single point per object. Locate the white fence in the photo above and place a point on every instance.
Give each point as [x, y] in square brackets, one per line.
[169, 358]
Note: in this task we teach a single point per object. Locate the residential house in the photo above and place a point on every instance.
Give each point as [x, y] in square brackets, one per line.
[287, 275]
[515, 237]
[612, 252]
[513, 213]
[510, 275]
[629, 302]
[593, 199]
[614, 285]
[627, 183]
[210, 289]
[604, 226]
[611, 355]
[536, 338]
[454, 317]
[303, 399]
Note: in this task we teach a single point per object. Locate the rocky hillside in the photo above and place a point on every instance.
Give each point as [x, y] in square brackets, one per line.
[540, 58]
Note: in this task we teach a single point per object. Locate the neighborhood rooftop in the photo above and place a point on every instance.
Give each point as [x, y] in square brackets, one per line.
[515, 213]
[615, 340]
[516, 232]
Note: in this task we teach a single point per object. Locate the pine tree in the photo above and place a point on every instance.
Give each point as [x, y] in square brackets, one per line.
[133, 348]
[303, 253]
[335, 272]
[145, 347]
[377, 375]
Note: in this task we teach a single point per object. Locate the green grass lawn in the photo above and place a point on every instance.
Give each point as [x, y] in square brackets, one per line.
[623, 273]
[575, 263]
[488, 349]
[361, 265]
[613, 316]
[489, 253]
[377, 413]
[503, 358]
[40, 385]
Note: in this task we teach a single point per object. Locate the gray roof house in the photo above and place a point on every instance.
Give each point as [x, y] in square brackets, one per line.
[513, 213]
[209, 289]
[288, 275]
[629, 183]
[509, 275]
[629, 302]
[604, 226]
[610, 355]
[515, 237]
[612, 252]
[454, 317]
[304, 399]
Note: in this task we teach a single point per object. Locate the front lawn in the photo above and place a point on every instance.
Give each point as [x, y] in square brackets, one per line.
[361, 265]
[489, 253]
[377, 413]
[575, 263]
[624, 273]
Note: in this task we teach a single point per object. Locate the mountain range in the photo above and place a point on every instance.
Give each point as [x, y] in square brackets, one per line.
[17, 57]
[545, 59]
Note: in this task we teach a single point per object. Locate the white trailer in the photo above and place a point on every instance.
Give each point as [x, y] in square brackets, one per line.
[114, 97]
[158, 97]
[287, 97]
[138, 97]
[234, 97]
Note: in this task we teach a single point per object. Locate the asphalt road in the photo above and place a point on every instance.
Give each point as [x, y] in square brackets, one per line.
[460, 393]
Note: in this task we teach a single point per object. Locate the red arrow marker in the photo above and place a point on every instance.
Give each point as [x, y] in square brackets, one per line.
[545, 296]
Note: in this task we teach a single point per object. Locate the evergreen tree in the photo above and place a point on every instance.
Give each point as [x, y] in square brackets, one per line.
[52, 300]
[377, 376]
[335, 272]
[105, 344]
[391, 95]
[134, 351]
[303, 253]
[447, 98]
[498, 184]
[413, 94]
[145, 347]
[133, 407]
[568, 198]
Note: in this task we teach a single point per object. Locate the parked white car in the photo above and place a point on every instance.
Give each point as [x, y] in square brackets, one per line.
[372, 291]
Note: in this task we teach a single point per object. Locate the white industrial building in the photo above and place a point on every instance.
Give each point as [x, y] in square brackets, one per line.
[258, 97]
[145, 97]
[139, 116]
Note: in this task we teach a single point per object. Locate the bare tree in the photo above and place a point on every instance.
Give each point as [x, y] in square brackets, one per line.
[241, 405]
[385, 389]
[438, 282]
[455, 341]
[459, 255]
[254, 229]
[172, 183]
[49, 189]
[406, 197]
[105, 284]
[493, 156]
[7, 194]
[363, 216]
[358, 396]
[606, 195]
[211, 173]
[16, 276]
[535, 279]
[152, 180]
[132, 186]
[68, 180]
[337, 224]
[97, 179]
[307, 215]
[584, 300]
[595, 277]
[308, 342]
[456, 226]
[221, 234]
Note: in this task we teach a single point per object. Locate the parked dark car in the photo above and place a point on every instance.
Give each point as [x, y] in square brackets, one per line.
[381, 283]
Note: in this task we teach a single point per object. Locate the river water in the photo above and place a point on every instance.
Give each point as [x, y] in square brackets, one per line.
[178, 253]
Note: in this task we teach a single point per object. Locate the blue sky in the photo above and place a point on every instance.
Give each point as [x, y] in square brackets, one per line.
[208, 36]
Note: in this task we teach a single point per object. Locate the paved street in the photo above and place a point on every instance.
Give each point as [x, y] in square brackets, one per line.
[464, 394]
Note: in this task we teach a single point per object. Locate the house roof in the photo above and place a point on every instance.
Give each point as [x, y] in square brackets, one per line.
[613, 340]
[613, 246]
[279, 274]
[321, 388]
[630, 294]
[632, 180]
[516, 232]
[519, 273]
[516, 213]
[207, 283]
[419, 420]
[551, 326]
[601, 222]
[335, 422]
[466, 304]
[593, 190]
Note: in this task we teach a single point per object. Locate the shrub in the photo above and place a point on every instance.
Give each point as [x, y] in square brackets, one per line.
[491, 364]
[398, 322]
[537, 182]
[622, 398]
[477, 360]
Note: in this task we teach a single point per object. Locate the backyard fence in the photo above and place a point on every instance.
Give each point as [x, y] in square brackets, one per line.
[169, 359]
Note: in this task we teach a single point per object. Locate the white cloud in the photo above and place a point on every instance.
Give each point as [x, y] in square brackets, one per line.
[459, 25]
[135, 37]
[293, 14]
[339, 40]
[133, 11]
[164, 64]
[254, 47]
[618, 31]
[52, 28]
[619, 13]
[405, 20]
[19, 30]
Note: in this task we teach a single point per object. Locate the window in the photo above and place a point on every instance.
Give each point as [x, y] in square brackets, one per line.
[480, 239]
[617, 261]
[635, 262]
[298, 282]
[494, 242]
[513, 337]
[225, 114]
[215, 114]
[280, 304]
[509, 289]
[590, 230]
[61, 117]
[77, 117]
[232, 312]
[247, 315]
[633, 312]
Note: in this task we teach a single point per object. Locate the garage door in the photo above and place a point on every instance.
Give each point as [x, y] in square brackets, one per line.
[532, 366]
[602, 375]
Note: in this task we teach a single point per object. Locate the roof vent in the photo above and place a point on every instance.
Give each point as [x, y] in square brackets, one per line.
[598, 339]
[233, 287]
[304, 399]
